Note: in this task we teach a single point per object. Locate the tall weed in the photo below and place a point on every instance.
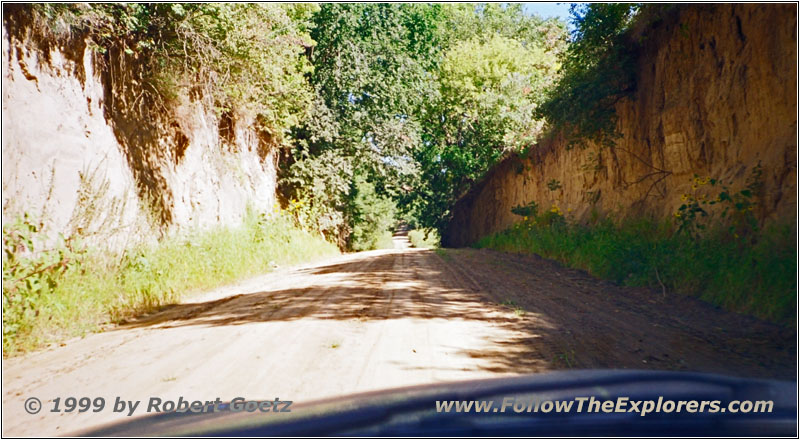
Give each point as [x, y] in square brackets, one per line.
[753, 274]
[55, 294]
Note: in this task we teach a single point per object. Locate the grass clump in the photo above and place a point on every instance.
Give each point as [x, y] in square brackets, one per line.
[56, 294]
[753, 274]
[443, 254]
[424, 238]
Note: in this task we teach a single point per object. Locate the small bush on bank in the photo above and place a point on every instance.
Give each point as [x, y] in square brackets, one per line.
[373, 217]
[424, 238]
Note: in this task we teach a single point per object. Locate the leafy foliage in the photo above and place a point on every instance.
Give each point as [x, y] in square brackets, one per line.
[529, 210]
[554, 185]
[733, 210]
[371, 64]
[318, 190]
[487, 90]
[424, 238]
[464, 21]
[417, 99]
[30, 272]
[598, 70]
[488, 87]
[373, 217]
[246, 57]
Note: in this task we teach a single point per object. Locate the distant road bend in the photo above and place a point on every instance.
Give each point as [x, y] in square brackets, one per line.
[381, 319]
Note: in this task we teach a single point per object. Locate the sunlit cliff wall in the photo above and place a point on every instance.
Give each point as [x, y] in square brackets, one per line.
[82, 153]
[716, 95]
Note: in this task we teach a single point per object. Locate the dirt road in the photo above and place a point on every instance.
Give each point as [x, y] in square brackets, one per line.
[383, 319]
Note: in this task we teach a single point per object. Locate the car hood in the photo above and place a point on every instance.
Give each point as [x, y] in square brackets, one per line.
[412, 411]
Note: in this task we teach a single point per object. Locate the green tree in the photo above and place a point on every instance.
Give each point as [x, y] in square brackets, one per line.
[419, 100]
[373, 217]
[488, 89]
[464, 21]
[371, 73]
[598, 71]
[247, 57]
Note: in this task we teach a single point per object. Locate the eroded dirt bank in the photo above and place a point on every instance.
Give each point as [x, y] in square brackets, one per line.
[715, 97]
[383, 319]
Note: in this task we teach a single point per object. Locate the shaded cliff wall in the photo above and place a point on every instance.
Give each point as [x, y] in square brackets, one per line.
[716, 96]
[85, 154]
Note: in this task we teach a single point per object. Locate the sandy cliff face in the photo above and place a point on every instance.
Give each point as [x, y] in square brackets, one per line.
[74, 156]
[716, 96]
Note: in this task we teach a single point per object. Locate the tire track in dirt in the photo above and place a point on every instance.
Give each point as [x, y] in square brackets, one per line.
[608, 326]
[381, 319]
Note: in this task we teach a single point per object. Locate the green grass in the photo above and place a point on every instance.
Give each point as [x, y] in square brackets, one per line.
[428, 238]
[443, 254]
[754, 275]
[105, 288]
[518, 310]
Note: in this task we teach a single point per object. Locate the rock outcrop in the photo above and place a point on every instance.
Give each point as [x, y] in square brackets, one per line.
[77, 157]
[716, 96]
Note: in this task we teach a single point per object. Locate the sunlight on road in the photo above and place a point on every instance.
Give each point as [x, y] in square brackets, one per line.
[365, 321]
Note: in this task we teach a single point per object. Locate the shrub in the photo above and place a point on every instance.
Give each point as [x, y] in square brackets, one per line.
[598, 70]
[246, 57]
[373, 216]
[30, 272]
[424, 238]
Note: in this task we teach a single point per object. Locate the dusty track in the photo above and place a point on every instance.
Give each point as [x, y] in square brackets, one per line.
[383, 319]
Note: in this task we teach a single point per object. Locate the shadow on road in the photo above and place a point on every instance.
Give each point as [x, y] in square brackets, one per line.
[553, 317]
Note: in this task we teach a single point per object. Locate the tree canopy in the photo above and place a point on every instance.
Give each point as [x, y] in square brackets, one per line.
[417, 101]
[381, 110]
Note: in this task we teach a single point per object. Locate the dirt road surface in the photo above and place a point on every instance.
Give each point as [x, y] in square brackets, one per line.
[381, 319]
